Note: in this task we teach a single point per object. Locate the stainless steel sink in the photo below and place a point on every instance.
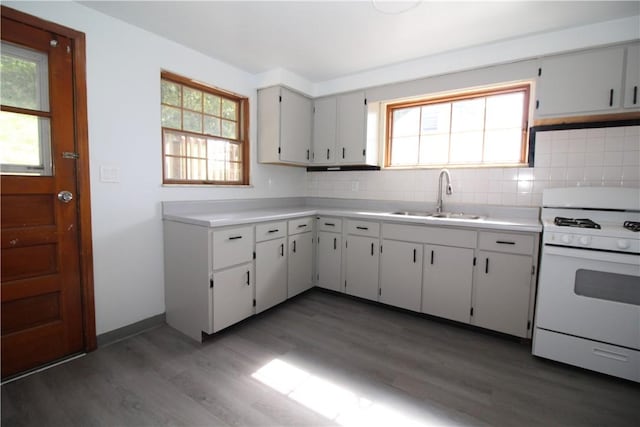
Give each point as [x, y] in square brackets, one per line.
[444, 215]
[410, 213]
[456, 215]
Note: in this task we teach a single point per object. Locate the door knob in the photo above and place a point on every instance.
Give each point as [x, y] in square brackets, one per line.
[65, 196]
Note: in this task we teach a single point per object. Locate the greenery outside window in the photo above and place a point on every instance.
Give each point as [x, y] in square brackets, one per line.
[480, 128]
[204, 133]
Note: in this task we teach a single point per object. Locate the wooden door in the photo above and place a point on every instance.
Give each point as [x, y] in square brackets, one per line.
[43, 306]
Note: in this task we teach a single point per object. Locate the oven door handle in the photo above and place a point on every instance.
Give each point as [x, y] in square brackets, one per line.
[620, 257]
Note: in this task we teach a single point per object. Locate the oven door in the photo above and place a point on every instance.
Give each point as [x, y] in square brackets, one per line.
[590, 294]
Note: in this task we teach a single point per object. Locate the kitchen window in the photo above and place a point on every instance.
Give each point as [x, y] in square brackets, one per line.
[204, 133]
[480, 128]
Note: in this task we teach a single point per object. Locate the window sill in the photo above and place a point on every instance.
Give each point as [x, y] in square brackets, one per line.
[207, 186]
[445, 166]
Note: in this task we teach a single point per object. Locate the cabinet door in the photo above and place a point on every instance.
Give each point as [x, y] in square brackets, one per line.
[362, 267]
[300, 263]
[351, 128]
[295, 127]
[271, 273]
[329, 260]
[501, 294]
[324, 131]
[448, 277]
[581, 82]
[232, 295]
[632, 80]
[401, 274]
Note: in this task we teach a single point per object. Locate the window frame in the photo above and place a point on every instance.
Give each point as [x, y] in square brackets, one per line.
[390, 107]
[243, 130]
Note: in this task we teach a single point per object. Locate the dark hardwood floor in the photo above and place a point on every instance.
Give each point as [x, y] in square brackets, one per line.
[320, 359]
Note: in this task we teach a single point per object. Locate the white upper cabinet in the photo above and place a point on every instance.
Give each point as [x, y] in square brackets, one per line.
[632, 78]
[284, 126]
[574, 84]
[351, 130]
[324, 131]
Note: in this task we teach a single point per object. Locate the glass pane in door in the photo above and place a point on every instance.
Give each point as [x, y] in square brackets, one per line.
[25, 129]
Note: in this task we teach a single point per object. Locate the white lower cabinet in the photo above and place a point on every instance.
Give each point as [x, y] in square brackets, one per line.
[232, 295]
[401, 274]
[502, 292]
[271, 273]
[300, 265]
[362, 267]
[329, 260]
[447, 283]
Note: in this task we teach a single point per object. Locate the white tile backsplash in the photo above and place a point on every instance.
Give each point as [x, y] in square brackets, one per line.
[563, 158]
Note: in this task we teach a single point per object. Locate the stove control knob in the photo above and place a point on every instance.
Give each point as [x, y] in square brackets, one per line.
[623, 244]
[585, 240]
[566, 238]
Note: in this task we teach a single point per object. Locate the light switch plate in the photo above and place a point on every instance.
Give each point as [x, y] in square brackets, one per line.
[109, 174]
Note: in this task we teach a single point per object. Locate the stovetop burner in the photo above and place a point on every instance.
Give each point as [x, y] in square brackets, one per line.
[575, 222]
[632, 225]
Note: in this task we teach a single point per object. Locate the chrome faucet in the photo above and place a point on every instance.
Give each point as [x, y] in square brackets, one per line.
[446, 173]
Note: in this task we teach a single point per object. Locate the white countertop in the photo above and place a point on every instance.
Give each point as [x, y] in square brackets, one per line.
[222, 219]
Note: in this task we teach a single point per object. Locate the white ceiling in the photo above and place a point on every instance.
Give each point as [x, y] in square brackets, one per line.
[322, 40]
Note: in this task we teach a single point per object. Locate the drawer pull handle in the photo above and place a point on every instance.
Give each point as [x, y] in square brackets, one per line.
[235, 237]
[362, 228]
[611, 98]
[431, 257]
[248, 278]
[635, 95]
[282, 249]
[335, 243]
[486, 266]
[343, 150]
[610, 354]
[505, 242]
[294, 246]
[275, 230]
[329, 224]
[372, 249]
[302, 225]
[327, 154]
[414, 256]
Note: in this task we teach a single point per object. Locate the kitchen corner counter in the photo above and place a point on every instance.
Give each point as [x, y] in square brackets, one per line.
[247, 216]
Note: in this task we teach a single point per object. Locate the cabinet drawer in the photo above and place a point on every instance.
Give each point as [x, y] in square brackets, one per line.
[270, 230]
[507, 242]
[326, 223]
[300, 225]
[363, 228]
[232, 246]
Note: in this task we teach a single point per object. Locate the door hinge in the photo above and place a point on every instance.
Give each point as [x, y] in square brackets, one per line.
[471, 311]
[254, 255]
[278, 150]
[70, 155]
[381, 249]
[254, 302]
[280, 98]
[539, 72]
[528, 325]
[345, 284]
[317, 276]
[537, 104]
[533, 270]
[211, 283]
[474, 260]
[365, 101]
[346, 244]
[380, 291]
[364, 152]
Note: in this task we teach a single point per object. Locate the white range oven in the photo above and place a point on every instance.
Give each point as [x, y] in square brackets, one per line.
[588, 302]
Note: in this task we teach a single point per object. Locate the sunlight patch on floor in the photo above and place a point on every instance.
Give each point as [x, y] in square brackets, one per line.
[334, 401]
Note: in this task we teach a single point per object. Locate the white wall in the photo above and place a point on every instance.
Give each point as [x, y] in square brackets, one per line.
[123, 86]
